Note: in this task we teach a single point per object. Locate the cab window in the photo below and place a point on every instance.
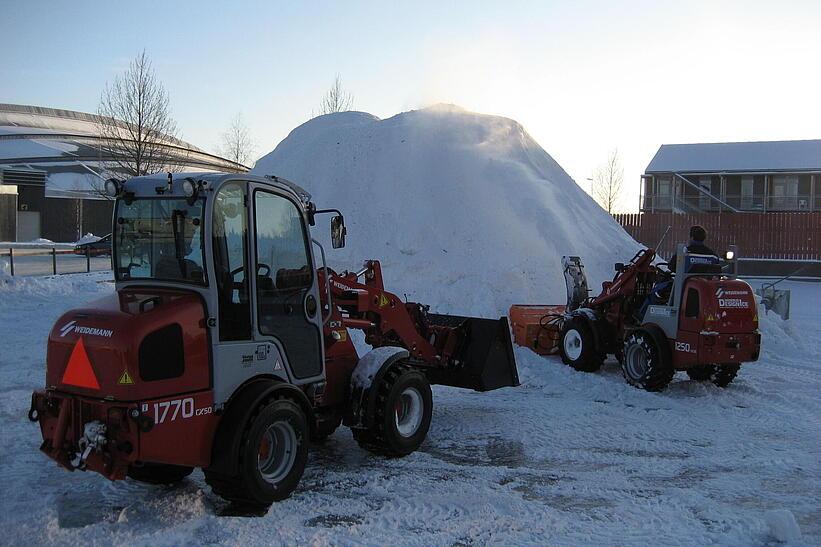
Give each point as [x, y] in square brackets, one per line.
[230, 234]
[691, 307]
[283, 265]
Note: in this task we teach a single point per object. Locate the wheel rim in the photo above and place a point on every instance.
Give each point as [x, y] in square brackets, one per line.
[277, 451]
[408, 411]
[636, 361]
[572, 344]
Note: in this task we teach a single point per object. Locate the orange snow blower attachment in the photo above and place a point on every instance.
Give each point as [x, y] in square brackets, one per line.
[537, 326]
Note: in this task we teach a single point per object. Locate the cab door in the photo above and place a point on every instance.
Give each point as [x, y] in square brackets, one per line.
[690, 324]
[286, 293]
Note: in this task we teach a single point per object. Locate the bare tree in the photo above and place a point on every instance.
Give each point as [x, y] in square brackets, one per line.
[136, 127]
[237, 144]
[607, 182]
[337, 99]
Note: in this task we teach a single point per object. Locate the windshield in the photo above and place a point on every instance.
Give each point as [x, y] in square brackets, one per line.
[159, 238]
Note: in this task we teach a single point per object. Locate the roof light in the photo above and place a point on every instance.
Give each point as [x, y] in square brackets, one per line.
[188, 188]
[112, 188]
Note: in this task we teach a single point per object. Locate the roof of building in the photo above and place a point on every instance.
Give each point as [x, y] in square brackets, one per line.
[43, 120]
[738, 157]
[67, 147]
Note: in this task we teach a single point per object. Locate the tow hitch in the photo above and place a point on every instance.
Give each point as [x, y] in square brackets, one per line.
[93, 439]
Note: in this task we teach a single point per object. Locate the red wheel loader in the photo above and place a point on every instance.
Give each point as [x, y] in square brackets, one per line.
[655, 322]
[225, 347]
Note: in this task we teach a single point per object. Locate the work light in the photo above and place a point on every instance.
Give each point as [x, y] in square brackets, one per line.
[112, 187]
[188, 188]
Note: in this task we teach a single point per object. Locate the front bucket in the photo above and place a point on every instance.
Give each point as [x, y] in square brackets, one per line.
[487, 354]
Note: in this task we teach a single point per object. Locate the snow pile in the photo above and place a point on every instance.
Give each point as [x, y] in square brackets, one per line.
[782, 525]
[466, 211]
[88, 238]
[50, 289]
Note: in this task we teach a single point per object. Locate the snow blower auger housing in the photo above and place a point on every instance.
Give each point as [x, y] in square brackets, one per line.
[226, 347]
[654, 321]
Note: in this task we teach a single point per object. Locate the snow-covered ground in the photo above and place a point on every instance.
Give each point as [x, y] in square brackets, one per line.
[566, 458]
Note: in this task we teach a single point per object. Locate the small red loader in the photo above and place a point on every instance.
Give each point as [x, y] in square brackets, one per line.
[226, 347]
[655, 322]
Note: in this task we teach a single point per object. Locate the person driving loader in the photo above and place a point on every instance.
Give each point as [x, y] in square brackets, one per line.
[661, 290]
[696, 245]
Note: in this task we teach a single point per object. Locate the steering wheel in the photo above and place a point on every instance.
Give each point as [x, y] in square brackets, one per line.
[260, 266]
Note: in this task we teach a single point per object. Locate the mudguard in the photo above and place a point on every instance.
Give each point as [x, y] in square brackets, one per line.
[592, 320]
[661, 340]
[368, 372]
[238, 410]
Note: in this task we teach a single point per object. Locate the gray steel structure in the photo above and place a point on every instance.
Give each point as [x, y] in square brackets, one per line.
[51, 171]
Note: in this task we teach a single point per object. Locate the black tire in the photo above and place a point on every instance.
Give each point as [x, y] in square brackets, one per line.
[724, 374]
[577, 346]
[721, 375]
[279, 426]
[159, 473]
[325, 428]
[404, 407]
[700, 373]
[645, 362]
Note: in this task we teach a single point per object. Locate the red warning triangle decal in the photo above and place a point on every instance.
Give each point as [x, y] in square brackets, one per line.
[79, 372]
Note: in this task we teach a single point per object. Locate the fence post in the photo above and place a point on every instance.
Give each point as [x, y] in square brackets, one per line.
[54, 260]
[11, 259]
[88, 259]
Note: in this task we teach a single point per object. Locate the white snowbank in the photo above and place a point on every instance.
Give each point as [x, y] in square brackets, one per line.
[466, 211]
[39, 243]
[782, 525]
[88, 238]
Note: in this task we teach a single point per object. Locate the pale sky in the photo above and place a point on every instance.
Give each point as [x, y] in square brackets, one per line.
[583, 77]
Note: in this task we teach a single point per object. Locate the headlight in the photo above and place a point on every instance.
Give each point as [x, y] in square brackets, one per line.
[188, 188]
[112, 188]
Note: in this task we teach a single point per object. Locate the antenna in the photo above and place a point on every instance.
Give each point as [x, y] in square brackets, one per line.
[664, 235]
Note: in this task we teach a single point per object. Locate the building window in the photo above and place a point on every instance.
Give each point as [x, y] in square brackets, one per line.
[785, 193]
[704, 199]
[663, 193]
[747, 192]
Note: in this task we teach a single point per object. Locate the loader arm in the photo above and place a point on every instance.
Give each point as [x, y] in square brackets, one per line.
[465, 352]
[624, 283]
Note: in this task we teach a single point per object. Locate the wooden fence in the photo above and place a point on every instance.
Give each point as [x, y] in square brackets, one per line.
[795, 236]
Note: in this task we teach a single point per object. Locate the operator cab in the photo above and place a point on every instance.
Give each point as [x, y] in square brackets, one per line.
[668, 296]
[242, 244]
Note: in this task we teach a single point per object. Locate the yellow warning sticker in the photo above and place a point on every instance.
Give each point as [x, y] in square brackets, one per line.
[125, 378]
[343, 335]
[382, 301]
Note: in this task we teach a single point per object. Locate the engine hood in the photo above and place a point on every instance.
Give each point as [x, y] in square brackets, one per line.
[132, 345]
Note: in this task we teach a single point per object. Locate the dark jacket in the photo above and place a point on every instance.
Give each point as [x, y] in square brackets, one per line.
[695, 247]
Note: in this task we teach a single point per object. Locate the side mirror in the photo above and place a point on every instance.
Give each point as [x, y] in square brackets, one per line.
[338, 232]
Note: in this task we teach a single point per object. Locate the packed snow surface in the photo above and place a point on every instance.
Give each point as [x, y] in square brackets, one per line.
[567, 458]
[466, 211]
[470, 215]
